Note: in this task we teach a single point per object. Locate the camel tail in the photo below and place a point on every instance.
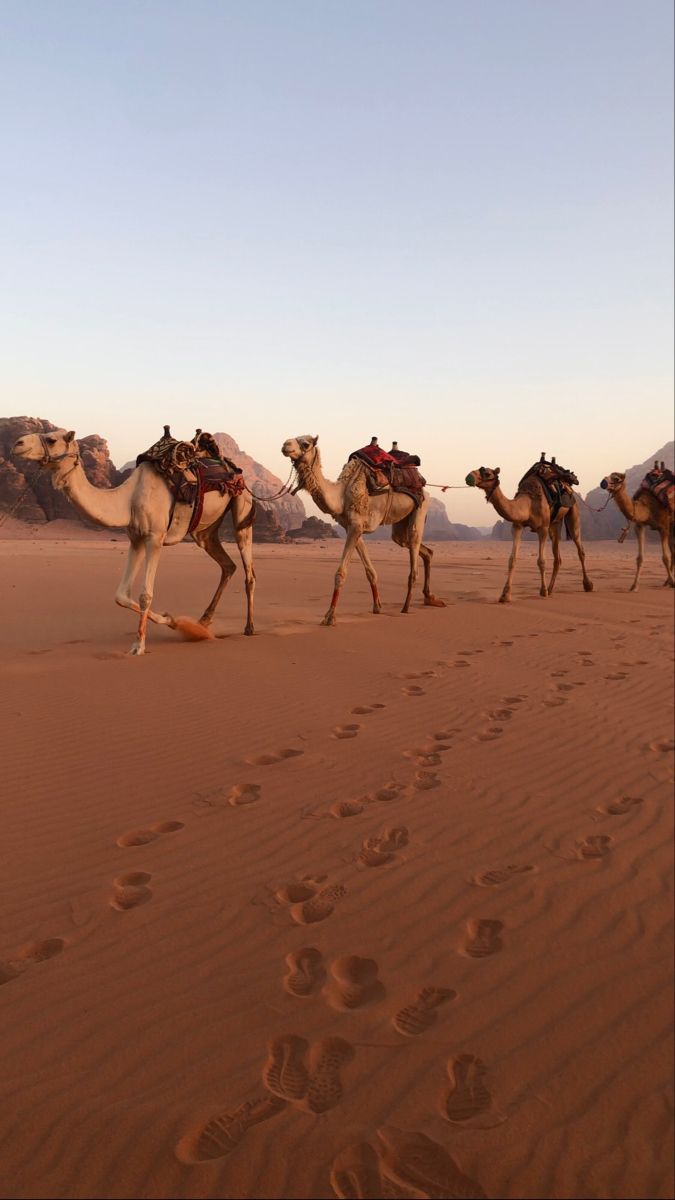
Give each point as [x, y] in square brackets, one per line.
[248, 519]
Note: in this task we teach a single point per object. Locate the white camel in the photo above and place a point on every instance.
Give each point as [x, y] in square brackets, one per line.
[143, 504]
[349, 503]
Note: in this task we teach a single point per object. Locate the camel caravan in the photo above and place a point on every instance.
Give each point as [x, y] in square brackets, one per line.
[186, 488]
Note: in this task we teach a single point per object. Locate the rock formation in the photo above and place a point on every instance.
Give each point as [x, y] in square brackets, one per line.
[315, 529]
[42, 502]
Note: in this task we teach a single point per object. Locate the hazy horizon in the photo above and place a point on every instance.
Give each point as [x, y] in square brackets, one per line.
[449, 224]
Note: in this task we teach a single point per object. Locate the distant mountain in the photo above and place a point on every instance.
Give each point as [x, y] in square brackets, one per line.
[596, 526]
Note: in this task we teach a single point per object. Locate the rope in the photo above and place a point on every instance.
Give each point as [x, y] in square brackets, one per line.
[19, 500]
[609, 497]
[284, 490]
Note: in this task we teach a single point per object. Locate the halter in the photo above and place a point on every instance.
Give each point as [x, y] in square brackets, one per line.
[493, 489]
[48, 458]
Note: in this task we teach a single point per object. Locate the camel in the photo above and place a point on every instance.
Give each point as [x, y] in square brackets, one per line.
[645, 512]
[348, 502]
[144, 505]
[530, 509]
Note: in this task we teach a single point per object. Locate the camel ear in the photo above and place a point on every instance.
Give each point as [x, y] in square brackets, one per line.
[315, 440]
[69, 437]
[497, 470]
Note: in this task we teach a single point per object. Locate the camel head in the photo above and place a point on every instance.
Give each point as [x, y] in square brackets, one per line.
[298, 448]
[485, 478]
[50, 449]
[614, 482]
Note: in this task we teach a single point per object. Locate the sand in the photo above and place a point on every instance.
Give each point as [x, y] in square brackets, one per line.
[375, 910]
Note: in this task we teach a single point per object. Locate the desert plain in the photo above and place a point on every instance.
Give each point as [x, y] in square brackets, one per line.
[378, 910]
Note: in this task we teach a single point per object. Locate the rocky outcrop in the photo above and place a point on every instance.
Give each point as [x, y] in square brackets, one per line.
[41, 502]
[438, 528]
[314, 529]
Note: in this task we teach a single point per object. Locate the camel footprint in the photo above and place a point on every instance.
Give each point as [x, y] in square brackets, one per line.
[363, 710]
[596, 846]
[275, 756]
[345, 731]
[413, 690]
[243, 793]
[141, 837]
[130, 890]
[490, 734]
[416, 1018]
[483, 938]
[424, 781]
[621, 806]
[29, 955]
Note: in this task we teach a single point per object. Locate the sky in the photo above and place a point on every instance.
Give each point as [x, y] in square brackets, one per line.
[445, 223]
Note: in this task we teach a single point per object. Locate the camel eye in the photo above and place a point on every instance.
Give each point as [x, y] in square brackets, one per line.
[51, 441]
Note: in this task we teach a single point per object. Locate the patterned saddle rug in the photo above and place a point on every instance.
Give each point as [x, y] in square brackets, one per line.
[556, 481]
[661, 483]
[191, 469]
[397, 471]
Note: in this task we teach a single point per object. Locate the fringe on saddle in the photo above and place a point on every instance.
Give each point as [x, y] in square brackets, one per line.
[660, 481]
[191, 469]
[391, 470]
[556, 481]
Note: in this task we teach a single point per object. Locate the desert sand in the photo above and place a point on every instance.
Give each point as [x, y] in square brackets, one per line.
[376, 910]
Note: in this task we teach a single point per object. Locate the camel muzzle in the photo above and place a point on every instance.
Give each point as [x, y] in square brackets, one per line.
[470, 481]
[604, 485]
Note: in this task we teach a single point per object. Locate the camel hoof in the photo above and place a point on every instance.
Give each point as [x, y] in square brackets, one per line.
[249, 631]
[329, 619]
[434, 602]
[504, 599]
[588, 586]
[137, 650]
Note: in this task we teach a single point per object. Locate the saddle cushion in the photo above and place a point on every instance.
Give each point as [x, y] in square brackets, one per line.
[661, 484]
[397, 471]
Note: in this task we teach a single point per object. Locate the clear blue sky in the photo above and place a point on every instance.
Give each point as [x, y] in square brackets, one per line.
[445, 222]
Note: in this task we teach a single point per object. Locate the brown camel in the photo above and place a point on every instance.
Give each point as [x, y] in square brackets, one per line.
[645, 512]
[530, 509]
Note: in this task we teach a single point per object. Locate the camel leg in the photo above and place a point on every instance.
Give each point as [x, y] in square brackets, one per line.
[353, 535]
[244, 539]
[123, 595]
[426, 554]
[209, 541]
[555, 543]
[517, 533]
[573, 525]
[667, 556]
[153, 543]
[371, 574]
[640, 535]
[414, 544]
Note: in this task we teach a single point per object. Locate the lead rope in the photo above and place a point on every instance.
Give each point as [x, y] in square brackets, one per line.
[284, 490]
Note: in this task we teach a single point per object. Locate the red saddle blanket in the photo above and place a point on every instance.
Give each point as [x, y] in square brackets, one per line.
[191, 469]
[661, 484]
[397, 470]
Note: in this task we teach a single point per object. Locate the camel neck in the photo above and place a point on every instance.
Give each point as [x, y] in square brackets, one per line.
[327, 496]
[110, 507]
[624, 502]
[516, 510]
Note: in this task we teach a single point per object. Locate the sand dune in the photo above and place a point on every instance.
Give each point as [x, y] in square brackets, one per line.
[376, 910]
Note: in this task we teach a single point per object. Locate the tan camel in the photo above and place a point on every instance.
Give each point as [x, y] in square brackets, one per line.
[144, 506]
[530, 509]
[348, 502]
[645, 512]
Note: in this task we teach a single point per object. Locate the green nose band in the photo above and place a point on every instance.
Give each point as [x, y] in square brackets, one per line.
[470, 481]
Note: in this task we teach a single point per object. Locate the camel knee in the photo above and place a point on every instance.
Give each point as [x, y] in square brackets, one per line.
[145, 600]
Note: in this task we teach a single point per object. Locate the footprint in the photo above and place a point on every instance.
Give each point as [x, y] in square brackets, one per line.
[424, 781]
[514, 699]
[662, 745]
[277, 756]
[565, 687]
[558, 674]
[554, 702]
[423, 757]
[345, 731]
[444, 735]
[370, 856]
[355, 982]
[489, 734]
[494, 878]
[461, 663]
[483, 938]
[319, 906]
[243, 793]
[295, 893]
[596, 846]
[500, 714]
[363, 710]
[355, 1174]
[381, 848]
[386, 794]
[141, 837]
[346, 808]
[130, 890]
[221, 1135]
[326, 1060]
[617, 675]
[623, 805]
[40, 951]
[419, 1016]
[423, 1167]
[285, 1072]
[305, 973]
[413, 691]
[467, 1096]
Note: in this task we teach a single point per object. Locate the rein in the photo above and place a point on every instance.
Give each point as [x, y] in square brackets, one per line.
[284, 490]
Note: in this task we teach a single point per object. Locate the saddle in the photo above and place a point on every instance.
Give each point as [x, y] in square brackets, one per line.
[660, 481]
[556, 481]
[393, 470]
[191, 469]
